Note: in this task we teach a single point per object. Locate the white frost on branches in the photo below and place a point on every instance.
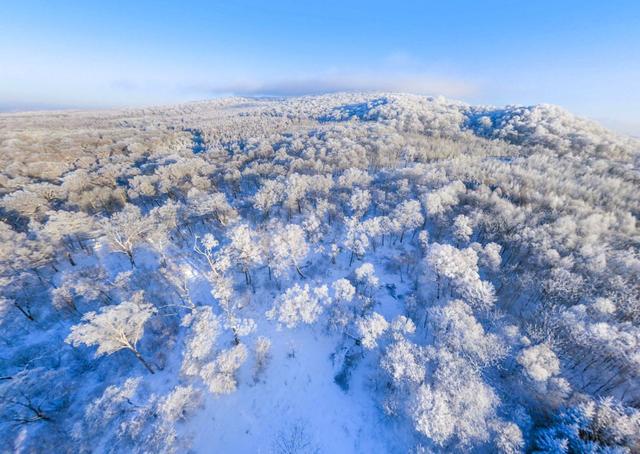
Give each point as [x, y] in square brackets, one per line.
[299, 305]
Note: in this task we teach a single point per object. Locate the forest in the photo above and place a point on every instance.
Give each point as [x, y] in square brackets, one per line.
[343, 273]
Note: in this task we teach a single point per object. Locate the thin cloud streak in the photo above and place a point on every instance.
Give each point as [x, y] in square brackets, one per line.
[410, 83]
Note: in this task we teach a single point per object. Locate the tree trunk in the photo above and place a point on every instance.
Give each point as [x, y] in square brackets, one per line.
[142, 360]
[24, 312]
[130, 255]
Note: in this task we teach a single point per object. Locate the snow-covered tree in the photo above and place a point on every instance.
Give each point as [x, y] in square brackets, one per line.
[455, 327]
[299, 305]
[366, 275]
[271, 193]
[126, 229]
[371, 328]
[407, 216]
[356, 239]
[220, 375]
[343, 290]
[115, 328]
[462, 228]
[204, 329]
[287, 249]
[459, 405]
[359, 202]
[262, 356]
[244, 249]
[460, 267]
[539, 362]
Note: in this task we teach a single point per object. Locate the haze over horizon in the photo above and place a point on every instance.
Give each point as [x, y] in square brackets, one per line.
[580, 55]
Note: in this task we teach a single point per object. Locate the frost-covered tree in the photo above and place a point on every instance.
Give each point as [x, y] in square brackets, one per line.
[287, 249]
[407, 216]
[220, 375]
[460, 268]
[490, 256]
[439, 202]
[404, 362]
[356, 239]
[359, 202]
[271, 193]
[539, 362]
[366, 276]
[244, 249]
[371, 328]
[204, 329]
[458, 406]
[211, 205]
[343, 290]
[115, 328]
[455, 328]
[462, 228]
[299, 305]
[126, 229]
[262, 356]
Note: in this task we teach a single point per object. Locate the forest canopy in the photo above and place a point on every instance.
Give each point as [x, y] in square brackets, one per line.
[466, 277]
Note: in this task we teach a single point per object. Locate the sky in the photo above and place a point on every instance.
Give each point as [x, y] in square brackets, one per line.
[583, 55]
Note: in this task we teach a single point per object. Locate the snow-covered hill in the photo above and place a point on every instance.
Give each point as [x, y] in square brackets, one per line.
[348, 273]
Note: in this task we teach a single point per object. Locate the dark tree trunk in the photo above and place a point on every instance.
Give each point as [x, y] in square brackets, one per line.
[142, 360]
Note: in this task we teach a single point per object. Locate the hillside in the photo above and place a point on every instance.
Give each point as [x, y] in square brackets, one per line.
[346, 273]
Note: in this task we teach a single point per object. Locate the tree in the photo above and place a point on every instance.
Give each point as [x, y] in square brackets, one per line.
[356, 239]
[220, 375]
[262, 355]
[115, 328]
[66, 227]
[126, 229]
[343, 290]
[371, 328]
[460, 268]
[603, 426]
[462, 228]
[219, 264]
[404, 362]
[82, 284]
[454, 327]
[539, 362]
[459, 405]
[204, 329]
[407, 216]
[287, 248]
[366, 275]
[299, 305]
[439, 202]
[244, 249]
[211, 205]
[271, 193]
[359, 202]
[490, 256]
[509, 439]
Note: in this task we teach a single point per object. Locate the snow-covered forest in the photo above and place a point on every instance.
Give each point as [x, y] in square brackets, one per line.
[348, 273]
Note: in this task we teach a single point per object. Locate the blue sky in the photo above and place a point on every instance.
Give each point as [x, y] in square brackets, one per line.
[583, 55]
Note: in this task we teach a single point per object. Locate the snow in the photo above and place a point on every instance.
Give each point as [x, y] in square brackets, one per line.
[297, 388]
